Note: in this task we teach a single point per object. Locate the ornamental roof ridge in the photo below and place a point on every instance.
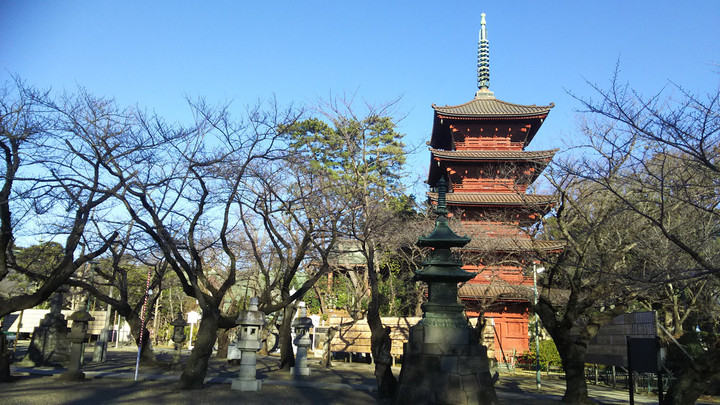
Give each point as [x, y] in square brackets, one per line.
[491, 106]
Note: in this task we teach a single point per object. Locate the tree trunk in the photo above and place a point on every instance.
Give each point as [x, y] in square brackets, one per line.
[321, 298]
[193, 375]
[380, 343]
[5, 375]
[573, 362]
[694, 378]
[147, 354]
[223, 338]
[287, 357]
[327, 353]
[420, 298]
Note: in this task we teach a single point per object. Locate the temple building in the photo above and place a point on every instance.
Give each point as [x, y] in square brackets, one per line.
[480, 147]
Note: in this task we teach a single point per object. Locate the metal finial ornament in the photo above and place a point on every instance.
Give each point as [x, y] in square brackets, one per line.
[483, 66]
[442, 188]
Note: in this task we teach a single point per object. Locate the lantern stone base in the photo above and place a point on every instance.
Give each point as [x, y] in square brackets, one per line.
[444, 365]
[246, 385]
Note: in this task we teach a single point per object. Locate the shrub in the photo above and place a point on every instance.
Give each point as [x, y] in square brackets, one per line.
[548, 354]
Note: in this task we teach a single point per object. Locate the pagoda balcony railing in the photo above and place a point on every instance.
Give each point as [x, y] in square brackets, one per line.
[489, 185]
[494, 143]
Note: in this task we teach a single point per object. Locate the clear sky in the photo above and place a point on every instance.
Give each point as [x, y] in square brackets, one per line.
[154, 53]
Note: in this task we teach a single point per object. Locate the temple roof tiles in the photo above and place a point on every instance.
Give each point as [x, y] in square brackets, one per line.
[511, 244]
[496, 198]
[492, 107]
[500, 290]
[493, 154]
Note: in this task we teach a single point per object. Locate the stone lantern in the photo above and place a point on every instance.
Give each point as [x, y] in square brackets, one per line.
[50, 345]
[178, 338]
[443, 360]
[302, 325]
[78, 333]
[250, 323]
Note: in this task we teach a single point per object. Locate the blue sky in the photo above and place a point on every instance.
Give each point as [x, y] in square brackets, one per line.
[154, 53]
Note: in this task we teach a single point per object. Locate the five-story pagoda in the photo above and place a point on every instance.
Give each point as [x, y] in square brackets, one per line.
[480, 146]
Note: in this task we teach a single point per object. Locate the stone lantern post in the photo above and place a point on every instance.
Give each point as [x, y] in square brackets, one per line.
[178, 338]
[302, 325]
[443, 360]
[78, 333]
[250, 323]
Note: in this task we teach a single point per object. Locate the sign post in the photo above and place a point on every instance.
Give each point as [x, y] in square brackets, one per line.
[193, 317]
[630, 340]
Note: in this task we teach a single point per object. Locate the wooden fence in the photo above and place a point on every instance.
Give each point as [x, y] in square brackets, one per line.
[354, 336]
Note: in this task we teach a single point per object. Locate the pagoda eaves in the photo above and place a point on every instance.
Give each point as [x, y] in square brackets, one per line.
[542, 156]
[492, 107]
[520, 245]
[505, 199]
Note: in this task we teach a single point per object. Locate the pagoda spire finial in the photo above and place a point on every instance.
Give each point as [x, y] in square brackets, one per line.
[442, 188]
[483, 66]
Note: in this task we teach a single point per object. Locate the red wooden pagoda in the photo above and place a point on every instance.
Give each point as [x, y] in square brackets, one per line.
[480, 147]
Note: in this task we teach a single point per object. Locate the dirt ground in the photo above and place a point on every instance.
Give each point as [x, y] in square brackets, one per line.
[344, 383]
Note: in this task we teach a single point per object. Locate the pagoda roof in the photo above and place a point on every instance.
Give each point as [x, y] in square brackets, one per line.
[516, 199]
[493, 154]
[489, 106]
[500, 290]
[511, 244]
[486, 109]
[497, 290]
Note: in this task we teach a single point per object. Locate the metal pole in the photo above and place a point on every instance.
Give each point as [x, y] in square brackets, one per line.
[537, 331]
[631, 385]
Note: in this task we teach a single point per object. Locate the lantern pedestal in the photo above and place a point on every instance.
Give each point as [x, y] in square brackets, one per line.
[444, 365]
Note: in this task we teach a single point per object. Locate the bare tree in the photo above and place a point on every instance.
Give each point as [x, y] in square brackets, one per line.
[590, 282]
[53, 183]
[182, 193]
[364, 155]
[658, 158]
[120, 281]
[291, 222]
